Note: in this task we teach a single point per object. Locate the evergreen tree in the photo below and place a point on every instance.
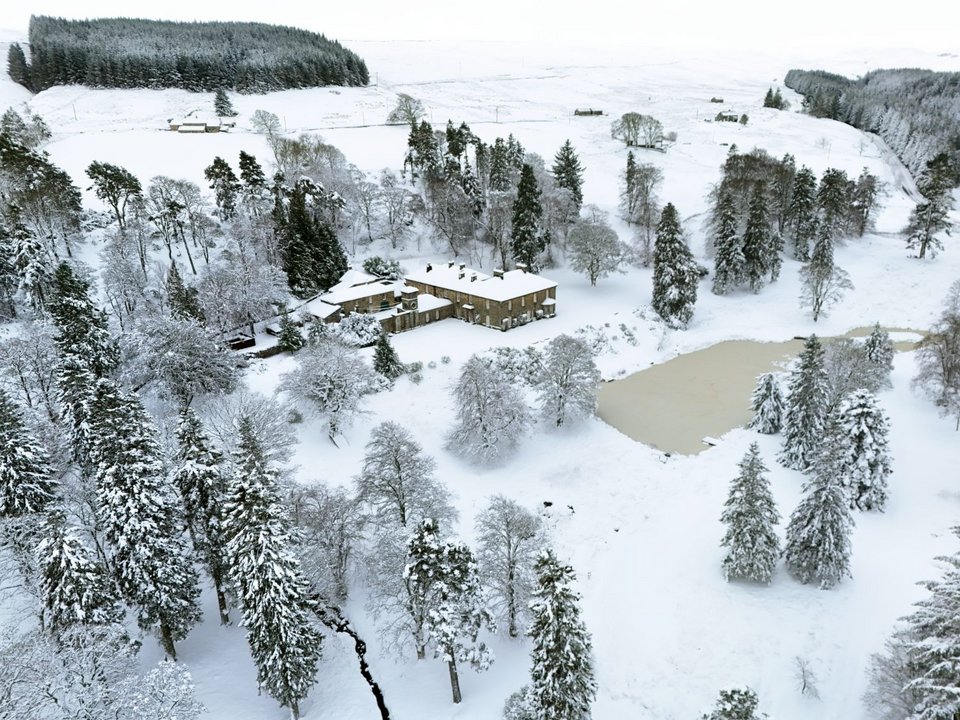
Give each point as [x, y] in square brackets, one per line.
[74, 588]
[183, 301]
[736, 704]
[863, 202]
[863, 431]
[750, 515]
[526, 235]
[272, 593]
[759, 247]
[933, 647]
[568, 173]
[818, 535]
[768, 101]
[833, 199]
[225, 187]
[803, 212]
[675, 273]
[805, 403]
[730, 263]
[198, 476]
[499, 166]
[562, 681]
[116, 186]
[222, 105]
[17, 66]
[290, 338]
[879, 350]
[628, 192]
[444, 577]
[137, 508]
[931, 216]
[302, 245]
[768, 405]
[385, 360]
[26, 478]
[334, 260]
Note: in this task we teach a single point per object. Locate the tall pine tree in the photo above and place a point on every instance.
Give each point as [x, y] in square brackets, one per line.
[759, 246]
[526, 235]
[805, 406]
[751, 516]
[26, 479]
[768, 405]
[675, 273]
[863, 428]
[729, 263]
[803, 212]
[568, 173]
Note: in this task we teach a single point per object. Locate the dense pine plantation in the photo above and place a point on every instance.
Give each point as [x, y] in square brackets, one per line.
[132, 53]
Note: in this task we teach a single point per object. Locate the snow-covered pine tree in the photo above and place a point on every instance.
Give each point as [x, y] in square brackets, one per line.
[509, 538]
[805, 405]
[675, 273]
[750, 514]
[444, 587]
[933, 647]
[562, 680]
[803, 212]
[182, 300]
[569, 381]
[26, 478]
[385, 360]
[198, 475]
[138, 510]
[290, 338]
[863, 430]
[736, 704]
[222, 105]
[568, 173]
[526, 234]
[768, 405]
[223, 181]
[759, 246]
[491, 413]
[879, 350]
[272, 594]
[932, 215]
[818, 534]
[397, 480]
[74, 588]
[729, 261]
[833, 198]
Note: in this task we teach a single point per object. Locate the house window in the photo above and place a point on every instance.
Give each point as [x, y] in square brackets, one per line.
[384, 304]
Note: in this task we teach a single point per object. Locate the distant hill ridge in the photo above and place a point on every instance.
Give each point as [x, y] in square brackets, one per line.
[199, 56]
[915, 111]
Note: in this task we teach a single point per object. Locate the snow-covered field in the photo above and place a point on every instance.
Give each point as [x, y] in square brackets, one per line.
[641, 530]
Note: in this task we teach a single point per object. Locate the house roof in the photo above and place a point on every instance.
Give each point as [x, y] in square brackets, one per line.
[352, 278]
[319, 308]
[342, 295]
[513, 284]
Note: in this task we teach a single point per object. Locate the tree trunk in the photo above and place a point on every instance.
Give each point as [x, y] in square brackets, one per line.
[295, 710]
[511, 604]
[454, 681]
[221, 597]
[166, 640]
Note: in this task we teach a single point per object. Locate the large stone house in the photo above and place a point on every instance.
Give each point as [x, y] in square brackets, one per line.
[502, 300]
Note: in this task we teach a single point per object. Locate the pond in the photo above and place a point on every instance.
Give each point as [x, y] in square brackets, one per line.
[674, 405]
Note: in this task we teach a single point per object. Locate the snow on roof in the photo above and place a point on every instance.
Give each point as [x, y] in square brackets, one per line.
[319, 308]
[352, 278]
[427, 302]
[356, 292]
[514, 283]
[192, 128]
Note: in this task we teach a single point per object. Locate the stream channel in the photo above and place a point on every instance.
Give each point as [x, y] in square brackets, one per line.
[676, 405]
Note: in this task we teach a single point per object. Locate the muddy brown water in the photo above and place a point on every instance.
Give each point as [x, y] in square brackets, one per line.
[674, 405]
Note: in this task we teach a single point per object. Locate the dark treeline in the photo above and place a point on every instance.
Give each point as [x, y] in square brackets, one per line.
[916, 112]
[128, 53]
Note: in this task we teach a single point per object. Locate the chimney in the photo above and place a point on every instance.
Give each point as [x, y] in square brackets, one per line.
[429, 267]
[498, 273]
[463, 266]
[450, 263]
[460, 276]
[522, 267]
[473, 277]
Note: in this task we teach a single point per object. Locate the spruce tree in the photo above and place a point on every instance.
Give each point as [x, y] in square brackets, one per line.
[750, 515]
[805, 405]
[17, 66]
[675, 272]
[265, 573]
[833, 199]
[74, 589]
[562, 680]
[759, 246]
[182, 300]
[385, 360]
[290, 338]
[931, 216]
[499, 166]
[863, 428]
[199, 477]
[26, 479]
[729, 262]
[225, 187]
[879, 350]
[138, 510]
[222, 105]
[568, 173]
[803, 212]
[818, 535]
[736, 704]
[768, 405]
[333, 263]
[526, 234]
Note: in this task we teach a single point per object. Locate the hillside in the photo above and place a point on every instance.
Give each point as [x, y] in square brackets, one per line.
[640, 527]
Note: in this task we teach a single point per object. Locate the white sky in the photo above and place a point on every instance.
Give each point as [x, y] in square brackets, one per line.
[932, 25]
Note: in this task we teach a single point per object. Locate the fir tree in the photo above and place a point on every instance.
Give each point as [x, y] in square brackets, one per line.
[931, 216]
[863, 431]
[750, 515]
[803, 212]
[568, 173]
[864, 201]
[183, 301]
[526, 234]
[26, 479]
[758, 242]
[385, 360]
[730, 263]
[499, 166]
[768, 101]
[768, 405]
[833, 199]
[879, 350]
[198, 476]
[675, 273]
[17, 66]
[222, 105]
[290, 338]
[271, 592]
[137, 508]
[818, 535]
[225, 187]
[562, 681]
[74, 588]
[805, 403]
[443, 577]
[736, 704]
